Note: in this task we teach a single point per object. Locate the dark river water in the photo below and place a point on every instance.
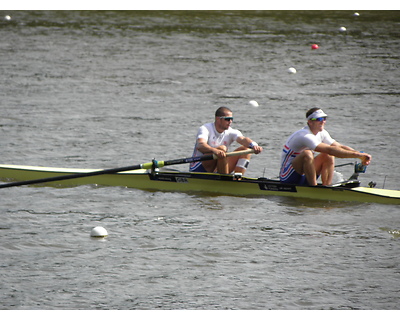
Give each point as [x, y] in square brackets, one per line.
[111, 89]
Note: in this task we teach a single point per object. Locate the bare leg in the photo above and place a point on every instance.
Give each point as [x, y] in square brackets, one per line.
[304, 164]
[228, 164]
[219, 165]
[234, 160]
[209, 165]
[324, 166]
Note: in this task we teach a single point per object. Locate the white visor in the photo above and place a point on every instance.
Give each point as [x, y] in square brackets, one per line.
[317, 114]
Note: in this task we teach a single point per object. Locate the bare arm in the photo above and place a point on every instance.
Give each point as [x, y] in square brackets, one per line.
[342, 151]
[248, 143]
[337, 144]
[205, 148]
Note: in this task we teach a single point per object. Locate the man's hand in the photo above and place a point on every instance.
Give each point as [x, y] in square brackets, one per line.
[257, 149]
[366, 159]
[219, 153]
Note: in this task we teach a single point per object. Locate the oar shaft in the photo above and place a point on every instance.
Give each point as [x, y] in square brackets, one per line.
[148, 165]
[75, 175]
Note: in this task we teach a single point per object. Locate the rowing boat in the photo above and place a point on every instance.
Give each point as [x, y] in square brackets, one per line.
[205, 183]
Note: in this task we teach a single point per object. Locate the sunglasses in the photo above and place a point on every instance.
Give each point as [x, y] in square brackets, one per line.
[227, 118]
[318, 119]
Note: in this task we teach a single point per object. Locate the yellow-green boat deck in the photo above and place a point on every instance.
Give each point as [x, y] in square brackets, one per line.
[209, 183]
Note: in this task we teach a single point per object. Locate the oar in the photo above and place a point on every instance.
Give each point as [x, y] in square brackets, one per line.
[148, 165]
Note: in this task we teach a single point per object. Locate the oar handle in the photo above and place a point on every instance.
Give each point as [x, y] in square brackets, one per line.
[237, 153]
[160, 164]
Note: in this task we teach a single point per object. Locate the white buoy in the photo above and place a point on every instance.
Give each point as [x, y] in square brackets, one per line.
[342, 29]
[254, 103]
[356, 14]
[292, 70]
[98, 232]
[8, 18]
